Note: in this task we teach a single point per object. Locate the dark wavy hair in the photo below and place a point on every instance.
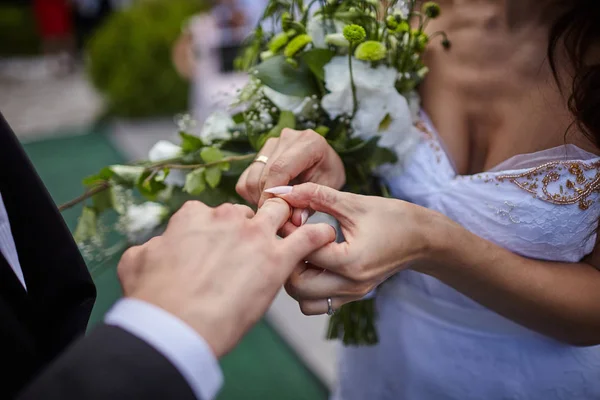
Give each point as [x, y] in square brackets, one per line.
[575, 34]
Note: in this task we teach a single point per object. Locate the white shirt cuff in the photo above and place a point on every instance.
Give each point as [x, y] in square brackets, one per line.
[174, 339]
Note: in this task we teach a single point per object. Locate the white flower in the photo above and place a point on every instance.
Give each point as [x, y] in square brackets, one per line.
[414, 103]
[141, 221]
[386, 115]
[382, 111]
[337, 39]
[164, 150]
[217, 126]
[318, 30]
[285, 102]
[367, 80]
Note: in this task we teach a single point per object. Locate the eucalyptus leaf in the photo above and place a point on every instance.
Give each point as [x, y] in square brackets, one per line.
[87, 225]
[149, 186]
[195, 182]
[127, 174]
[360, 152]
[211, 155]
[190, 143]
[103, 201]
[104, 175]
[213, 176]
[280, 76]
[316, 59]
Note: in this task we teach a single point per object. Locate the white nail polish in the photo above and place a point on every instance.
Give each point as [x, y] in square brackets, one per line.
[304, 216]
[280, 190]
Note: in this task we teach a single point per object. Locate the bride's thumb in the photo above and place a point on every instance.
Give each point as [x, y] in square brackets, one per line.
[316, 197]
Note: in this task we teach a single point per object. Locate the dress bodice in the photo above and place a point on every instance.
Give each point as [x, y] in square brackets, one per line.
[542, 205]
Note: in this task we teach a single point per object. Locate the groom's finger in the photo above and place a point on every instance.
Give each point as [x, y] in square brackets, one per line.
[307, 239]
[273, 214]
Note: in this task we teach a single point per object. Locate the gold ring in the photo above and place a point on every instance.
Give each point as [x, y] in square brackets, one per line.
[262, 159]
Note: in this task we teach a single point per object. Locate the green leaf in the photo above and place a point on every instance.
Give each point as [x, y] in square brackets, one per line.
[279, 75]
[195, 182]
[190, 143]
[87, 225]
[316, 59]
[149, 186]
[211, 155]
[384, 155]
[213, 176]
[127, 174]
[362, 151]
[238, 118]
[287, 119]
[105, 174]
[103, 200]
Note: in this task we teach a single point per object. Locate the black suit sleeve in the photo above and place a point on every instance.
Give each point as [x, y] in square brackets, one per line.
[110, 364]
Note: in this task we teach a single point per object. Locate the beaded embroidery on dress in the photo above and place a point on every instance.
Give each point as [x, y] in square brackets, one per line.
[436, 343]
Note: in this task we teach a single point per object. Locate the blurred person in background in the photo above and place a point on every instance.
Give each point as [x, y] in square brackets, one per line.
[90, 14]
[57, 35]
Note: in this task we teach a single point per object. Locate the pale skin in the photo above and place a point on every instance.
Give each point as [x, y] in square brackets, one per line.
[491, 97]
[191, 272]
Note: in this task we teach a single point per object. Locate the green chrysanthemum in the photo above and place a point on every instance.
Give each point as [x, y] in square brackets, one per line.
[371, 50]
[355, 33]
[403, 27]
[391, 22]
[421, 40]
[297, 44]
[278, 42]
[286, 19]
[432, 9]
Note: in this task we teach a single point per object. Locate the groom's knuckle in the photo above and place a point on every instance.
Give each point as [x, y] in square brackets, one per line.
[288, 133]
[224, 211]
[279, 167]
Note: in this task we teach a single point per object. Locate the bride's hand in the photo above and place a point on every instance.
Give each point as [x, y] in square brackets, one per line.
[381, 237]
[300, 156]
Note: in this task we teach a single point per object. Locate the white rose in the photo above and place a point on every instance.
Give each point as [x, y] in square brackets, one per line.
[217, 126]
[140, 221]
[165, 150]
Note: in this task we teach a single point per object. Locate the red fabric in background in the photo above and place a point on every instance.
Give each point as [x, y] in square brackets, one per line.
[54, 17]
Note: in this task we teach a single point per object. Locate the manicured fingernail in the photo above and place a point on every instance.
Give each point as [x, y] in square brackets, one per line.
[280, 190]
[304, 216]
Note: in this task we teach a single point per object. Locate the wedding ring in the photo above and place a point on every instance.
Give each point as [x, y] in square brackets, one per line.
[262, 159]
[330, 310]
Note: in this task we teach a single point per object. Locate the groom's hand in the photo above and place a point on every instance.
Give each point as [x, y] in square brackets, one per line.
[219, 269]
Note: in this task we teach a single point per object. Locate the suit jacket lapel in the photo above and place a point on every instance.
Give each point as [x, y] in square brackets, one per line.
[58, 281]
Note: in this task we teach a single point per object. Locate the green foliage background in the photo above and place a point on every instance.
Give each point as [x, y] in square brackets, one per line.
[129, 58]
[18, 31]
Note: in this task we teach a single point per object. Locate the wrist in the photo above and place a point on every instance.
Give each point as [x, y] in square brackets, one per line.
[437, 233]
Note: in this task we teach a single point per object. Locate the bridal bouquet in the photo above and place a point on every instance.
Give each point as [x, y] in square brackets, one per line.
[346, 69]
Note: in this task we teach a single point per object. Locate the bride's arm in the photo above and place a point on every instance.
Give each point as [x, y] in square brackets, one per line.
[560, 300]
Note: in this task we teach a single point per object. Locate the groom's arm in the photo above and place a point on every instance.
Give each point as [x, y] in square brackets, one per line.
[142, 352]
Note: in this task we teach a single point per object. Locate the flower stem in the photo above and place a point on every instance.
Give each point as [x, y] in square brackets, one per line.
[207, 165]
[88, 194]
[352, 84]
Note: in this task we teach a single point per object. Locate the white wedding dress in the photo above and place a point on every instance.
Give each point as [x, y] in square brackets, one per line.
[437, 344]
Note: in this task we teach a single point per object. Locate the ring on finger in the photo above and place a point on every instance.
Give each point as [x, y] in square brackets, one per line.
[262, 159]
[330, 309]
